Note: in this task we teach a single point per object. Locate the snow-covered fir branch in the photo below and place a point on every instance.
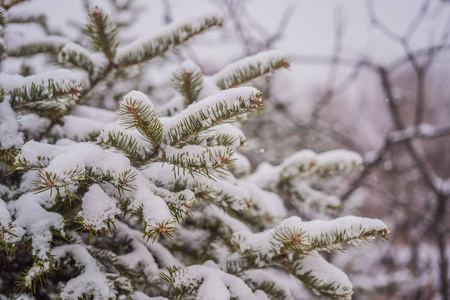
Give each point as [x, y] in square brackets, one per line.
[146, 204]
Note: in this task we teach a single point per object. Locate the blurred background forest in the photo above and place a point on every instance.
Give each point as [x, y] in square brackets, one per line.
[368, 76]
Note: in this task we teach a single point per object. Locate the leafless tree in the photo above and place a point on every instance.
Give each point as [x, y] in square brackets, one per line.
[410, 157]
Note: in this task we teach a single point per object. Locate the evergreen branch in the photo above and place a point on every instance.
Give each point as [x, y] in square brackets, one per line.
[111, 262]
[175, 35]
[102, 76]
[36, 273]
[338, 161]
[22, 164]
[226, 195]
[203, 281]
[103, 32]
[94, 281]
[270, 288]
[163, 228]
[48, 44]
[107, 229]
[337, 240]
[317, 200]
[212, 111]
[8, 238]
[334, 285]
[223, 139]
[60, 183]
[188, 81]
[76, 56]
[39, 19]
[47, 98]
[251, 68]
[197, 159]
[222, 135]
[98, 211]
[301, 164]
[178, 291]
[180, 203]
[122, 182]
[128, 145]
[8, 156]
[289, 239]
[138, 112]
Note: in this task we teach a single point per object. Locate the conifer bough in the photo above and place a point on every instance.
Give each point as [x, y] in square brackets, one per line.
[157, 203]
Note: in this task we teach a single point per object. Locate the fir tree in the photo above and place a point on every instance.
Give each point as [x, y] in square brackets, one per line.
[149, 202]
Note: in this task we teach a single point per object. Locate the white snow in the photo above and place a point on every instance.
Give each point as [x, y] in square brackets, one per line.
[154, 208]
[327, 273]
[351, 225]
[215, 284]
[261, 61]
[60, 76]
[37, 222]
[90, 112]
[79, 128]
[268, 203]
[162, 254]
[134, 49]
[13, 232]
[98, 208]
[91, 280]
[197, 156]
[138, 96]
[218, 189]
[9, 126]
[190, 67]
[203, 109]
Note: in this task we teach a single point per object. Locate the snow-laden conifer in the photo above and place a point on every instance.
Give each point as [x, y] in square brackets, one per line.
[146, 202]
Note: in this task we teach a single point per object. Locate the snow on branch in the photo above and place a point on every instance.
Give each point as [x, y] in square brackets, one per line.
[10, 232]
[38, 225]
[323, 278]
[306, 163]
[249, 68]
[98, 209]
[226, 135]
[188, 81]
[223, 193]
[46, 44]
[102, 30]
[51, 94]
[77, 56]
[9, 127]
[293, 235]
[295, 174]
[198, 159]
[70, 165]
[137, 111]
[317, 200]
[294, 244]
[350, 230]
[92, 281]
[129, 141]
[207, 282]
[145, 168]
[158, 253]
[170, 37]
[211, 111]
